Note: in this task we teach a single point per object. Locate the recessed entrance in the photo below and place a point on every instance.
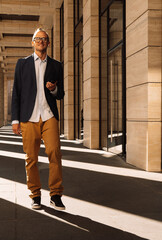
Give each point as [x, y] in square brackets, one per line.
[112, 77]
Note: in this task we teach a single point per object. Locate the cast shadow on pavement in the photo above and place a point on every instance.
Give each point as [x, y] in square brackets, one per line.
[20, 223]
[128, 194]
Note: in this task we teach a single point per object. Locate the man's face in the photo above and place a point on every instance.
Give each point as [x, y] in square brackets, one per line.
[40, 44]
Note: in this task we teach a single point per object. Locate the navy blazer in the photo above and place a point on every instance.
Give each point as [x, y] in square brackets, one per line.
[25, 87]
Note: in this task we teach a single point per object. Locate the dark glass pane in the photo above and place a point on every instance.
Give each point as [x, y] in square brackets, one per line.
[76, 92]
[80, 109]
[78, 62]
[62, 61]
[9, 100]
[115, 23]
[78, 32]
[62, 26]
[80, 8]
[104, 4]
[115, 130]
[76, 11]
[62, 55]
[111, 98]
[79, 90]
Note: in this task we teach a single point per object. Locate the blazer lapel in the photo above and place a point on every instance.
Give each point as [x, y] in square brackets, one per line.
[47, 69]
[33, 68]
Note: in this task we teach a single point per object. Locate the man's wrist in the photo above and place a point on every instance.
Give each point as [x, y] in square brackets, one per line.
[54, 92]
[15, 122]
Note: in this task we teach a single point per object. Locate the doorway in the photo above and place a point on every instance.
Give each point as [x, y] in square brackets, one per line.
[112, 77]
[115, 126]
[78, 70]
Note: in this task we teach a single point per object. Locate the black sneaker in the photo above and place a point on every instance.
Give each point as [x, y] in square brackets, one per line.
[36, 203]
[56, 202]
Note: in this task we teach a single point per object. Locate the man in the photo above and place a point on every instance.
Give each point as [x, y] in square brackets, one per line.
[38, 83]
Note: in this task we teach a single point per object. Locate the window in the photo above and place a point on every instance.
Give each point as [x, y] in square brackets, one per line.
[112, 76]
[78, 69]
[62, 61]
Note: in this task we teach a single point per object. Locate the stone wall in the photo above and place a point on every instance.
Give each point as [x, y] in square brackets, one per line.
[144, 65]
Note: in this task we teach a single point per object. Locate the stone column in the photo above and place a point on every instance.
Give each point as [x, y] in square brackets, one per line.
[1, 98]
[56, 40]
[91, 72]
[9, 86]
[5, 100]
[68, 70]
[56, 34]
[50, 39]
[144, 67]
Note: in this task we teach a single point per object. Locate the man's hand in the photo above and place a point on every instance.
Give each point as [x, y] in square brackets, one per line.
[16, 129]
[51, 86]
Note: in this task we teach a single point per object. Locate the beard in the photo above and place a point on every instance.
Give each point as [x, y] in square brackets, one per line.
[42, 50]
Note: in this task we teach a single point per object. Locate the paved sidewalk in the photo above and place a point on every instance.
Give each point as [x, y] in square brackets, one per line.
[105, 198]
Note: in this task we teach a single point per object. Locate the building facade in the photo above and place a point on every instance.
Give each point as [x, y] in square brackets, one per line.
[110, 51]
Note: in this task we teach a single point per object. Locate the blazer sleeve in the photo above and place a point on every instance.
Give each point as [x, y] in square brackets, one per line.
[60, 84]
[16, 93]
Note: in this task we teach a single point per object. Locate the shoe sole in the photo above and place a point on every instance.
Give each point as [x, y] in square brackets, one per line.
[55, 207]
[36, 207]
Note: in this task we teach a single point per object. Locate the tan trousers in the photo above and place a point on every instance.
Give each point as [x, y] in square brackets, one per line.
[32, 133]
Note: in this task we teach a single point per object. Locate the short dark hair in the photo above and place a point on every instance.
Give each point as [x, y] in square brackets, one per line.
[40, 30]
